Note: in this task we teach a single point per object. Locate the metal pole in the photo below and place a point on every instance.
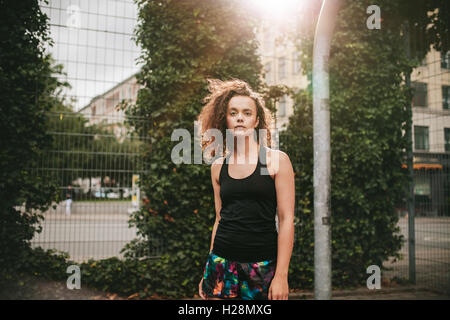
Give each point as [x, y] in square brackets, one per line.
[321, 125]
[411, 202]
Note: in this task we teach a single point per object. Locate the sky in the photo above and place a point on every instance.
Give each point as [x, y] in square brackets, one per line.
[93, 40]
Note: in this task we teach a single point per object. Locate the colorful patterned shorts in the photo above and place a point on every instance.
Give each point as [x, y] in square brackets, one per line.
[231, 279]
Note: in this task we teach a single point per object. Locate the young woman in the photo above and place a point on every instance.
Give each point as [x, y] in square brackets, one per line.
[248, 257]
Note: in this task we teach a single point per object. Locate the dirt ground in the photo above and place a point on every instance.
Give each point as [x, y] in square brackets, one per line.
[32, 288]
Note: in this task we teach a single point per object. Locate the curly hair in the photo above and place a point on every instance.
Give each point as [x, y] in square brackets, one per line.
[214, 112]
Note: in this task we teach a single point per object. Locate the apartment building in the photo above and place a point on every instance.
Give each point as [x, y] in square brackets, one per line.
[281, 67]
[431, 134]
[105, 108]
[431, 114]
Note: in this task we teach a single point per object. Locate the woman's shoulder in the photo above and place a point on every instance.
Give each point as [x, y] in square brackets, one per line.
[276, 153]
[216, 166]
[277, 159]
[219, 161]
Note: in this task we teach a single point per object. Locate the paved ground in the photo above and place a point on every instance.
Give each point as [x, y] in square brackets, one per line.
[398, 293]
[432, 253]
[97, 231]
[39, 289]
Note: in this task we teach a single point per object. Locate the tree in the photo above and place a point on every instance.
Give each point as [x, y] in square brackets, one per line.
[26, 84]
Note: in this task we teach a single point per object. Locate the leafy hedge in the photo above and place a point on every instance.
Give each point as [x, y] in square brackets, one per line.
[367, 176]
[27, 87]
[368, 100]
[185, 42]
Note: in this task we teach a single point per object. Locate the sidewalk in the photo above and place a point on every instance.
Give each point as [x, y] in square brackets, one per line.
[86, 216]
[390, 293]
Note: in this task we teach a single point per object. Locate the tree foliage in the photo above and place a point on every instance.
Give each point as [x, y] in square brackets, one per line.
[184, 43]
[26, 83]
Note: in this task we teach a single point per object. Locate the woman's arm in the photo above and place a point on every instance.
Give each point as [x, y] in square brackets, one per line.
[285, 188]
[215, 171]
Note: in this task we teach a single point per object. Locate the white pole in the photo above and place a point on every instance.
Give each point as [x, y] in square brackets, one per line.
[321, 127]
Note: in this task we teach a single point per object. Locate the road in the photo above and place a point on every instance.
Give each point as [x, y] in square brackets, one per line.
[86, 237]
[432, 253]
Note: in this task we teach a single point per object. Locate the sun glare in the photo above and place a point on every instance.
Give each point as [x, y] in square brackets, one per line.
[276, 9]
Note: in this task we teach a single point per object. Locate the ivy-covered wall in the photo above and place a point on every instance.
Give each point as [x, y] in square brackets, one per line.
[184, 43]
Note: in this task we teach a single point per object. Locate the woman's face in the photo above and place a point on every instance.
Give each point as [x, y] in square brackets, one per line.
[241, 115]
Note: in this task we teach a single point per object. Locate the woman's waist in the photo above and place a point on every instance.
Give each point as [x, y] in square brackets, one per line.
[242, 226]
[245, 251]
[247, 237]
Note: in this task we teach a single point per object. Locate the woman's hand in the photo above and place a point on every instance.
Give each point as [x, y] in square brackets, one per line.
[200, 290]
[279, 289]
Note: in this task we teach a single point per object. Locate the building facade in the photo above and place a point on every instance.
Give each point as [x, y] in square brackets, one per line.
[105, 109]
[282, 66]
[431, 134]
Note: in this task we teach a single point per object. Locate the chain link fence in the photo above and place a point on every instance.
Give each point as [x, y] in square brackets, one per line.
[96, 158]
[99, 156]
[431, 162]
[96, 166]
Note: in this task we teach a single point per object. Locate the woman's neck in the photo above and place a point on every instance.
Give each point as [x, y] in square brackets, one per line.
[246, 150]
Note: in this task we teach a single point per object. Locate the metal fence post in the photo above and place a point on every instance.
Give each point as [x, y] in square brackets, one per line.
[321, 125]
[410, 198]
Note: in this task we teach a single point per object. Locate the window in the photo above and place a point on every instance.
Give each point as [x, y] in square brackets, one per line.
[282, 68]
[422, 185]
[93, 110]
[268, 71]
[282, 107]
[112, 101]
[446, 97]
[268, 40]
[445, 60]
[423, 63]
[421, 138]
[296, 67]
[420, 94]
[447, 139]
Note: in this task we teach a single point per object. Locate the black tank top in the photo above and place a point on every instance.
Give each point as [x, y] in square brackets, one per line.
[247, 229]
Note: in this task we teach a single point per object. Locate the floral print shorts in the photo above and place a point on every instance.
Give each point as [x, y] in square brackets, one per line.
[231, 279]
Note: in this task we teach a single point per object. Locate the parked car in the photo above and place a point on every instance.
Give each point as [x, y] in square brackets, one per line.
[112, 195]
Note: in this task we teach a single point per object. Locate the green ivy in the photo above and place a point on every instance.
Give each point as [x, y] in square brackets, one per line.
[27, 85]
[184, 43]
[368, 100]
